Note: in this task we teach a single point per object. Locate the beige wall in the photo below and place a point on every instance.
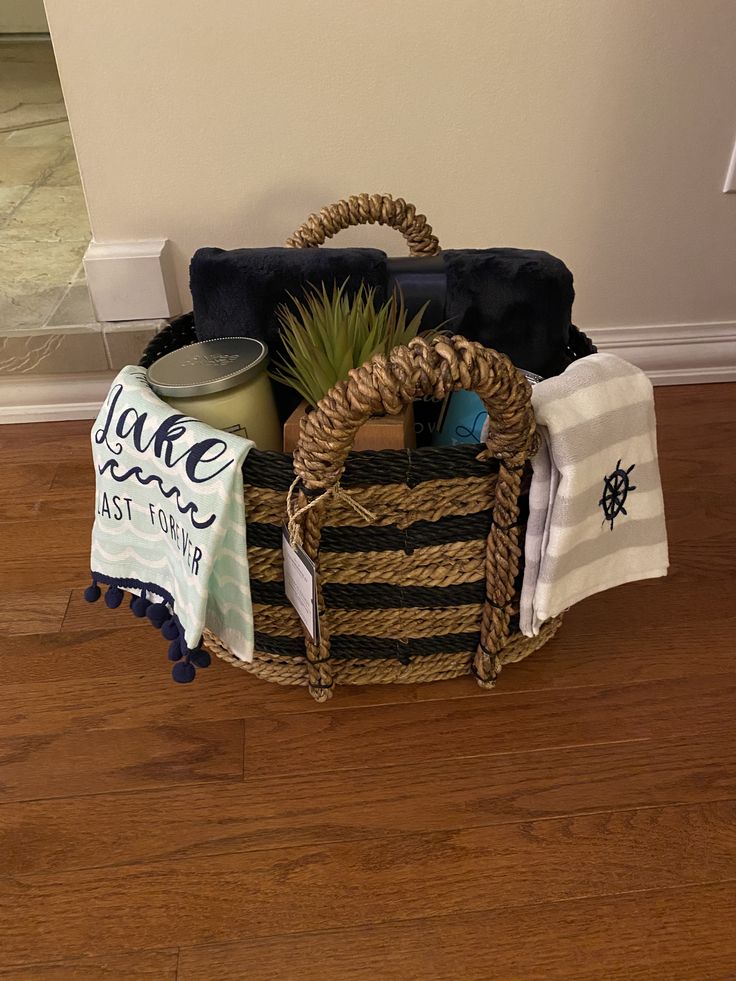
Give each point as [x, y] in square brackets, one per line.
[599, 130]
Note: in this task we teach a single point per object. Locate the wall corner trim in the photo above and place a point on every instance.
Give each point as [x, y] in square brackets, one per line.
[133, 280]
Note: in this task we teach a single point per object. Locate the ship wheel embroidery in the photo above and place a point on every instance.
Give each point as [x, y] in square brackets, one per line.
[616, 488]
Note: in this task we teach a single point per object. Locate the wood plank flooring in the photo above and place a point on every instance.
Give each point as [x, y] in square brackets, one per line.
[577, 823]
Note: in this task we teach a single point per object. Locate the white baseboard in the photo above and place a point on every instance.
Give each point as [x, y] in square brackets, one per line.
[132, 280]
[52, 398]
[674, 354]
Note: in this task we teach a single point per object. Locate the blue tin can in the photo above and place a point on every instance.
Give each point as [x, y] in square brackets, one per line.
[463, 421]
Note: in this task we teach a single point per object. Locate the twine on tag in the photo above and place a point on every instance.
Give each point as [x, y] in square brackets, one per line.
[294, 513]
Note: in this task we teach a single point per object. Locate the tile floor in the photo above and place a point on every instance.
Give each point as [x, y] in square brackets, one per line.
[47, 323]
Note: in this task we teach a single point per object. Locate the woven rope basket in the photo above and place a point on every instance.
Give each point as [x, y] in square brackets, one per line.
[428, 589]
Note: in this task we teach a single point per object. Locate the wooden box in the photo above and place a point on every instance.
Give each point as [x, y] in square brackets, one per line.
[379, 433]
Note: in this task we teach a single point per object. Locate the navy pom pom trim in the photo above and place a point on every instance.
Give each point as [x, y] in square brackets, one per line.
[183, 672]
[170, 630]
[139, 605]
[160, 613]
[201, 658]
[157, 613]
[114, 597]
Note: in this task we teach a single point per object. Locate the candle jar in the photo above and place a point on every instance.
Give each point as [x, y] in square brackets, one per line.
[222, 382]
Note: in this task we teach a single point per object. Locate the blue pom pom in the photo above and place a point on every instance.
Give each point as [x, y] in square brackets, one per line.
[114, 597]
[201, 658]
[157, 613]
[174, 650]
[183, 672]
[92, 593]
[170, 630]
[139, 606]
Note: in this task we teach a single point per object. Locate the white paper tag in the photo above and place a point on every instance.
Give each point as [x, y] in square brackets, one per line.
[300, 584]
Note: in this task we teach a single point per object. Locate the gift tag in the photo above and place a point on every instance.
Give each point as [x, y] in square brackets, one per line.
[300, 584]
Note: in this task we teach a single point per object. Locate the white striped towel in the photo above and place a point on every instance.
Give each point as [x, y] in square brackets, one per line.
[596, 513]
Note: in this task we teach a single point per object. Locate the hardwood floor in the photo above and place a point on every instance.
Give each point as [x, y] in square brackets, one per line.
[578, 822]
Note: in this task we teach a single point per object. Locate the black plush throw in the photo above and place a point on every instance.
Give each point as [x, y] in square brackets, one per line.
[516, 301]
[237, 292]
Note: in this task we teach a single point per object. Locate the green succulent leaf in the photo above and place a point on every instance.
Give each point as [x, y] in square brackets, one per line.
[325, 333]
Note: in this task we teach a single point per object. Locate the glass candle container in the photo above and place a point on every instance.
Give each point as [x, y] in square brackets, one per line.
[224, 383]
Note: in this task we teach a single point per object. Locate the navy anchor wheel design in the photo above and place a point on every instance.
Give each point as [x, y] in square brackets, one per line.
[616, 488]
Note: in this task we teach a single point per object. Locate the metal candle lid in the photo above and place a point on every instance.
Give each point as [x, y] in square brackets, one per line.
[207, 367]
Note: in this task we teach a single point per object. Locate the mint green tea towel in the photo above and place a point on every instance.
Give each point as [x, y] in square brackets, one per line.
[170, 522]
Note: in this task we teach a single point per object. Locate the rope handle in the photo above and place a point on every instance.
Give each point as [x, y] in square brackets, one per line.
[386, 383]
[368, 209]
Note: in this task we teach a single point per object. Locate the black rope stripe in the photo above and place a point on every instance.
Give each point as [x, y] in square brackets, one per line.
[391, 538]
[368, 468]
[352, 646]
[378, 596]
[383, 538]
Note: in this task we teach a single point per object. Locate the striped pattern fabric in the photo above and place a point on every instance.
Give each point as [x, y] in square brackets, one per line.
[596, 513]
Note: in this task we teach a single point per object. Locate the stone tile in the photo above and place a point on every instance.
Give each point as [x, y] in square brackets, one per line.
[75, 308]
[55, 134]
[27, 74]
[28, 59]
[29, 82]
[39, 264]
[10, 198]
[125, 340]
[49, 214]
[65, 173]
[27, 307]
[34, 277]
[52, 351]
[27, 164]
[28, 115]
[38, 53]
